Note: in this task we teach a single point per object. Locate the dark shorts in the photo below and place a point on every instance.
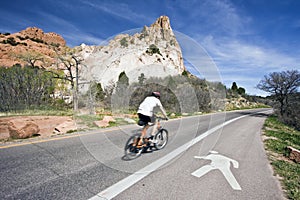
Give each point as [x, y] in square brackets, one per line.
[143, 119]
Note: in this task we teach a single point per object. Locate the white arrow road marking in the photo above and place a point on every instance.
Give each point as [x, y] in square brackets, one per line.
[221, 163]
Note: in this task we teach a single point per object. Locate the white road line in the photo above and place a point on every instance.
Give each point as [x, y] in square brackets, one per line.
[127, 182]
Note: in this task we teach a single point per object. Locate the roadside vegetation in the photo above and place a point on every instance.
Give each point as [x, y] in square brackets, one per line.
[283, 88]
[278, 137]
[282, 129]
[36, 90]
[33, 90]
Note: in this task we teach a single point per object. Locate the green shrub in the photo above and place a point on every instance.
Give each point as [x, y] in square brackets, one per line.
[124, 42]
[153, 49]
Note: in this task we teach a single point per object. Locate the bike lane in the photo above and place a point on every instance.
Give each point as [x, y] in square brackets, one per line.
[237, 168]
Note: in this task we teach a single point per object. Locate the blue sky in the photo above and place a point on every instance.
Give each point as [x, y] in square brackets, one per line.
[247, 39]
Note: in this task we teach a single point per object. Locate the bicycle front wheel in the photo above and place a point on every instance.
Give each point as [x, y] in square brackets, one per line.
[131, 150]
[161, 139]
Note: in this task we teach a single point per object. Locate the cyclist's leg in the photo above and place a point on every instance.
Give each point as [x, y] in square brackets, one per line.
[146, 120]
[144, 131]
[143, 135]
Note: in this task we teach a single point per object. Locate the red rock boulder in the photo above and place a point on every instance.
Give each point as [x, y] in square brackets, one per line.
[30, 129]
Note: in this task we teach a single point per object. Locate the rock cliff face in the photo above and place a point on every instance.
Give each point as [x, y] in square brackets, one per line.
[33, 40]
[153, 51]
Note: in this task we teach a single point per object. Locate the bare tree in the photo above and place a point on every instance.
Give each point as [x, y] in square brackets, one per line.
[281, 85]
[70, 62]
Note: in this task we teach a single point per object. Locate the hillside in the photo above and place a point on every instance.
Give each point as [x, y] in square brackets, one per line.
[15, 48]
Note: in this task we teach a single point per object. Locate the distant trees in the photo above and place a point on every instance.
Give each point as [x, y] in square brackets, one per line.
[98, 91]
[24, 88]
[179, 94]
[32, 87]
[123, 80]
[234, 86]
[234, 91]
[120, 98]
[169, 99]
[283, 86]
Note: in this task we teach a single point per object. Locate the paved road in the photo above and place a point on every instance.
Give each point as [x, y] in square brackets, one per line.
[230, 164]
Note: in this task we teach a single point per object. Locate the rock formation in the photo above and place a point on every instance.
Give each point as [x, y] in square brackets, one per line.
[49, 38]
[153, 51]
[30, 41]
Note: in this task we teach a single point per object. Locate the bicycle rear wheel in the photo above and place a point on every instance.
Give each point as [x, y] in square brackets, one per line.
[161, 139]
[131, 150]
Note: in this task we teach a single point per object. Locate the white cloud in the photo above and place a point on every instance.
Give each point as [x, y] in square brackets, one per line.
[240, 54]
[246, 63]
[78, 38]
[70, 32]
[218, 16]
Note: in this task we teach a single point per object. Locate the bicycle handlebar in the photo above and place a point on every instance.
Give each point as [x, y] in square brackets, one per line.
[162, 118]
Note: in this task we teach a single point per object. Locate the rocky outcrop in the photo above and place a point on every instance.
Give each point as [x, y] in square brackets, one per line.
[238, 103]
[38, 34]
[31, 41]
[162, 22]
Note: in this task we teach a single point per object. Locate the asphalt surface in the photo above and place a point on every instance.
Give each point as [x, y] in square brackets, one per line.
[86, 165]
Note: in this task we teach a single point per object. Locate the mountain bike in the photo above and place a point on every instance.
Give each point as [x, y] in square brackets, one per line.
[157, 141]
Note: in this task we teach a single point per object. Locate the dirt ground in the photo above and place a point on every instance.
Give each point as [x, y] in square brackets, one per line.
[46, 124]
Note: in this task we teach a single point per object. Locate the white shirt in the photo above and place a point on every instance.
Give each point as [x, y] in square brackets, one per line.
[149, 104]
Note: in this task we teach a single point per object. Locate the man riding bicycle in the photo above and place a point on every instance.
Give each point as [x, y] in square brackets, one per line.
[146, 113]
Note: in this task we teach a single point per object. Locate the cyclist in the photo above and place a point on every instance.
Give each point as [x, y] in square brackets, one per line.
[146, 113]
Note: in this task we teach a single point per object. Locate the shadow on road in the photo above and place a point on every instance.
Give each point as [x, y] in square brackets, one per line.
[264, 115]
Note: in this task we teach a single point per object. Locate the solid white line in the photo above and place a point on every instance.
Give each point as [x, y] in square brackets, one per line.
[127, 182]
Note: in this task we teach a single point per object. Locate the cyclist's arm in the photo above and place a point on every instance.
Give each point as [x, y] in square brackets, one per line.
[162, 110]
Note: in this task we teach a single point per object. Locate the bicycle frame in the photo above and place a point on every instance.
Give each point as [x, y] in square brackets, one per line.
[158, 141]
